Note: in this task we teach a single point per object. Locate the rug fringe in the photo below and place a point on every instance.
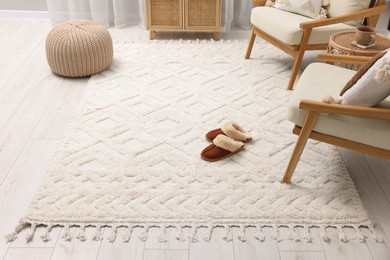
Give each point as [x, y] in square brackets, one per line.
[241, 234]
[323, 234]
[67, 235]
[81, 235]
[228, 234]
[296, 232]
[98, 234]
[377, 235]
[162, 237]
[342, 236]
[259, 234]
[306, 234]
[293, 234]
[359, 234]
[145, 234]
[14, 235]
[208, 234]
[275, 233]
[30, 234]
[194, 234]
[128, 232]
[180, 236]
[46, 236]
[112, 236]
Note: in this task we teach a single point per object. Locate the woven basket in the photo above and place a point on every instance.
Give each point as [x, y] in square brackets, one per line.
[79, 48]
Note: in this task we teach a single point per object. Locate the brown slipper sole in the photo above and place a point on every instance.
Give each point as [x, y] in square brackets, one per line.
[222, 153]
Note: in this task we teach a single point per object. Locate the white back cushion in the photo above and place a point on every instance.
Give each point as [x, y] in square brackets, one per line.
[368, 91]
[341, 7]
[309, 8]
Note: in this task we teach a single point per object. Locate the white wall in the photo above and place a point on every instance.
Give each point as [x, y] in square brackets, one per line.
[25, 5]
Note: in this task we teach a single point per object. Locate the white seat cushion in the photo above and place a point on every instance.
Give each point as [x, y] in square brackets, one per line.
[284, 26]
[320, 80]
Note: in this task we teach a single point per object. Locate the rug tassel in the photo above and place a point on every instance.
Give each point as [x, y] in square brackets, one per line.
[323, 234]
[127, 235]
[180, 236]
[81, 235]
[30, 234]
[376, 236]
[11, 236]
[14, 235]
[194, 234]
[342, 236]
[241, 234]
[46, 236]
[293, 234]
[208, 234]
[67, 236]
[259, 234]
[228, 234]
[383, 74]
[162, 237]
[145, 234]
[306, 234]
[275, 233]
[359, 234]
[111, 238]
[98, 234]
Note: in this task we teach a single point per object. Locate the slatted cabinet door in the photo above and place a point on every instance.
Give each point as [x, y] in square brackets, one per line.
[202, 15]
[165, 14]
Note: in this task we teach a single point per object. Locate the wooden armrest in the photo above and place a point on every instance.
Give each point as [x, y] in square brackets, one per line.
[346, 18]
[259, 2]
[357, 111]
[350, 59]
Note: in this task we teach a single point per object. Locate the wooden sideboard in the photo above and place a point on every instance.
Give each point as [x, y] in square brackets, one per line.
[184, 15]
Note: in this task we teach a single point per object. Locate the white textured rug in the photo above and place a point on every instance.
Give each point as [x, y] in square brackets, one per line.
[131, 155]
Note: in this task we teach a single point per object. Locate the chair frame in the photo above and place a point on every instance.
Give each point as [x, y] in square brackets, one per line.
[313, 109]
[371, 16]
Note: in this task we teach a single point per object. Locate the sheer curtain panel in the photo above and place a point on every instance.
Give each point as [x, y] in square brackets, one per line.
[120, 13]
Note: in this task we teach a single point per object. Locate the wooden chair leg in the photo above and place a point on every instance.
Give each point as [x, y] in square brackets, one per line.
[298, 58]
[250, 44]
[308, 125]
[295, 70]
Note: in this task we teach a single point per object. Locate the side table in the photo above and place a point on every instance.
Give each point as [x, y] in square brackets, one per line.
[340, 43]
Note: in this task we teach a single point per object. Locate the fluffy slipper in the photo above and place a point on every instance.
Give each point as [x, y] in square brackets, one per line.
[232, 130]
[221, 148]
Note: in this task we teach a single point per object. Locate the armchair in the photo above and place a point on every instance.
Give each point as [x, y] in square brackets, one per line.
[294, 34]
[363, 129]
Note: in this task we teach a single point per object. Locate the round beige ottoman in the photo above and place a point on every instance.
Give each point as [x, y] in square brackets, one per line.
[79, 48]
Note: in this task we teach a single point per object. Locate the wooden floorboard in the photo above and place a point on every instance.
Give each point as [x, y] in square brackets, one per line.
[35, 110]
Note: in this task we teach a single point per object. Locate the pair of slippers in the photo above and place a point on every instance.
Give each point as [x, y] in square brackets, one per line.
[227, 140]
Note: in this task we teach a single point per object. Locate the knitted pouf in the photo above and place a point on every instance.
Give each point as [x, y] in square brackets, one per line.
[79, 48]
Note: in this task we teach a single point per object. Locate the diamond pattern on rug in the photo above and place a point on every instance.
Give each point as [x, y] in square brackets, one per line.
[132, 153]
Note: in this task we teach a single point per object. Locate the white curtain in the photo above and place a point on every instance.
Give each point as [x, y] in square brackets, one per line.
[120, 13]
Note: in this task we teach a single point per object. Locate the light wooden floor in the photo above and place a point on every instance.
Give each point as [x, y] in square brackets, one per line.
[35, 108]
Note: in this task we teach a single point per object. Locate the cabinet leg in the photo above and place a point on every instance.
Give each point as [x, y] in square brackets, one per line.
[152, 34]
[216, 36]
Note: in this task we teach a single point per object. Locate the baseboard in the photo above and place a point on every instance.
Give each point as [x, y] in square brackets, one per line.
[24, 14]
